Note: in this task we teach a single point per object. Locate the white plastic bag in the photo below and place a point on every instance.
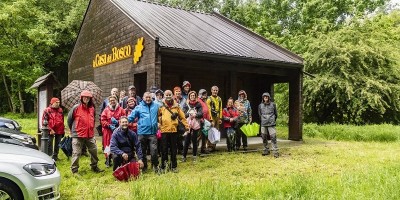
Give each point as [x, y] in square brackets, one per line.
[207, 125]
[214, 135]
[107, 150]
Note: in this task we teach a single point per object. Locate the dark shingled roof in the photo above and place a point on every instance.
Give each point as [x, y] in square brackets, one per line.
[206, 33]
[43, 79]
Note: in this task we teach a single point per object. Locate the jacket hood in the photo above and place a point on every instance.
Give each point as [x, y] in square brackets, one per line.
[115, 108]
[201, 91]
[153, 89]
[86, 93]
[186, 83]
[159, 91]
[191, 93]
[265, 94]
[242, 92]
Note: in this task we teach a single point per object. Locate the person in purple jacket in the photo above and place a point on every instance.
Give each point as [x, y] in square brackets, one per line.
[125, 146]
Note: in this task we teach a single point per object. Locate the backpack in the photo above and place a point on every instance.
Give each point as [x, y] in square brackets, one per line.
[66, 146]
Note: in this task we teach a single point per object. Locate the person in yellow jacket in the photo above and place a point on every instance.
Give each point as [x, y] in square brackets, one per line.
[168, 115]
[214, 104]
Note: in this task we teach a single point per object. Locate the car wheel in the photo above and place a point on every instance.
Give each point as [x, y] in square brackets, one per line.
[8, 190]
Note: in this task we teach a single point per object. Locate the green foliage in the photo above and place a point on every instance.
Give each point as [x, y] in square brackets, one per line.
[284, 21]
[357, 75]
[37, 36]
[24, 44]
[192, 5]
[358, 79]
[281, 98]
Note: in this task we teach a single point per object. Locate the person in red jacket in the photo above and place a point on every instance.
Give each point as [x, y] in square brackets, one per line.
[131, 105]
[230, 116]
[109, 121]
[81, 123]
[55, 118]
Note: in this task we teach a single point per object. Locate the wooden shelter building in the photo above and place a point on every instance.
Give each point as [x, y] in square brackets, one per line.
[128, 42]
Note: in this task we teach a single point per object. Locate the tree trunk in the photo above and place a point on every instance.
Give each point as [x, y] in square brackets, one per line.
[10, 104]
[21, 101]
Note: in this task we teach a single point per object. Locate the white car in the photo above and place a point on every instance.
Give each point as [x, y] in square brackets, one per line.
[26, 173]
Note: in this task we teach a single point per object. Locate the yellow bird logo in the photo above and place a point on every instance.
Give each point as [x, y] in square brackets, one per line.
[138, 50]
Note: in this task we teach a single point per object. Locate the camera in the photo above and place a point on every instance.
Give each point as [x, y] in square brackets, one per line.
[174, 116]
[214, 113]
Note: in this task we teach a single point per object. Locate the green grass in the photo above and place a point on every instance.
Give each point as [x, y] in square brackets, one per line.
[315, 168]
[28, 122]
[378, 133]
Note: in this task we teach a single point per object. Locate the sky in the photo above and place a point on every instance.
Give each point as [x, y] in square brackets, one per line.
[396, 1]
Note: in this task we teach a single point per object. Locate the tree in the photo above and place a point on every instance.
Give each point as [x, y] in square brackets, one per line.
[192, 5]
[24, 42]
[36, 36]
[357, 71]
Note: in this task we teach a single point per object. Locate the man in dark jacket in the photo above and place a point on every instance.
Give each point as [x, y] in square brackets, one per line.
[268, 115]
[131, 93]
[125, 146]
[81, 123]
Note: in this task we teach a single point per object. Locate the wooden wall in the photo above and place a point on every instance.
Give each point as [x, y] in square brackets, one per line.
[103, 28]
[233, 77]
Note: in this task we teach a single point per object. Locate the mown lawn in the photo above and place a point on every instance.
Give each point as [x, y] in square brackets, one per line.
[315, 168]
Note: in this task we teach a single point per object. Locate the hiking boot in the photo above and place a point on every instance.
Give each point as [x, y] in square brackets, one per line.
[204, 151]
[175, 170]
[108, 163]
[156, 170]
[265, 152]
[183, 159]
[166, 166]
[97, 169]
[161, 171]
[76, 174]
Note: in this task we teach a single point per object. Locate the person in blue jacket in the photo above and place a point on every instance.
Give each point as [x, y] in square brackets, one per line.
[125, 146]
[147, 125]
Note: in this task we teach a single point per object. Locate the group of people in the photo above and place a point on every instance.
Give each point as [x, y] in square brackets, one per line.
[165, 123]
